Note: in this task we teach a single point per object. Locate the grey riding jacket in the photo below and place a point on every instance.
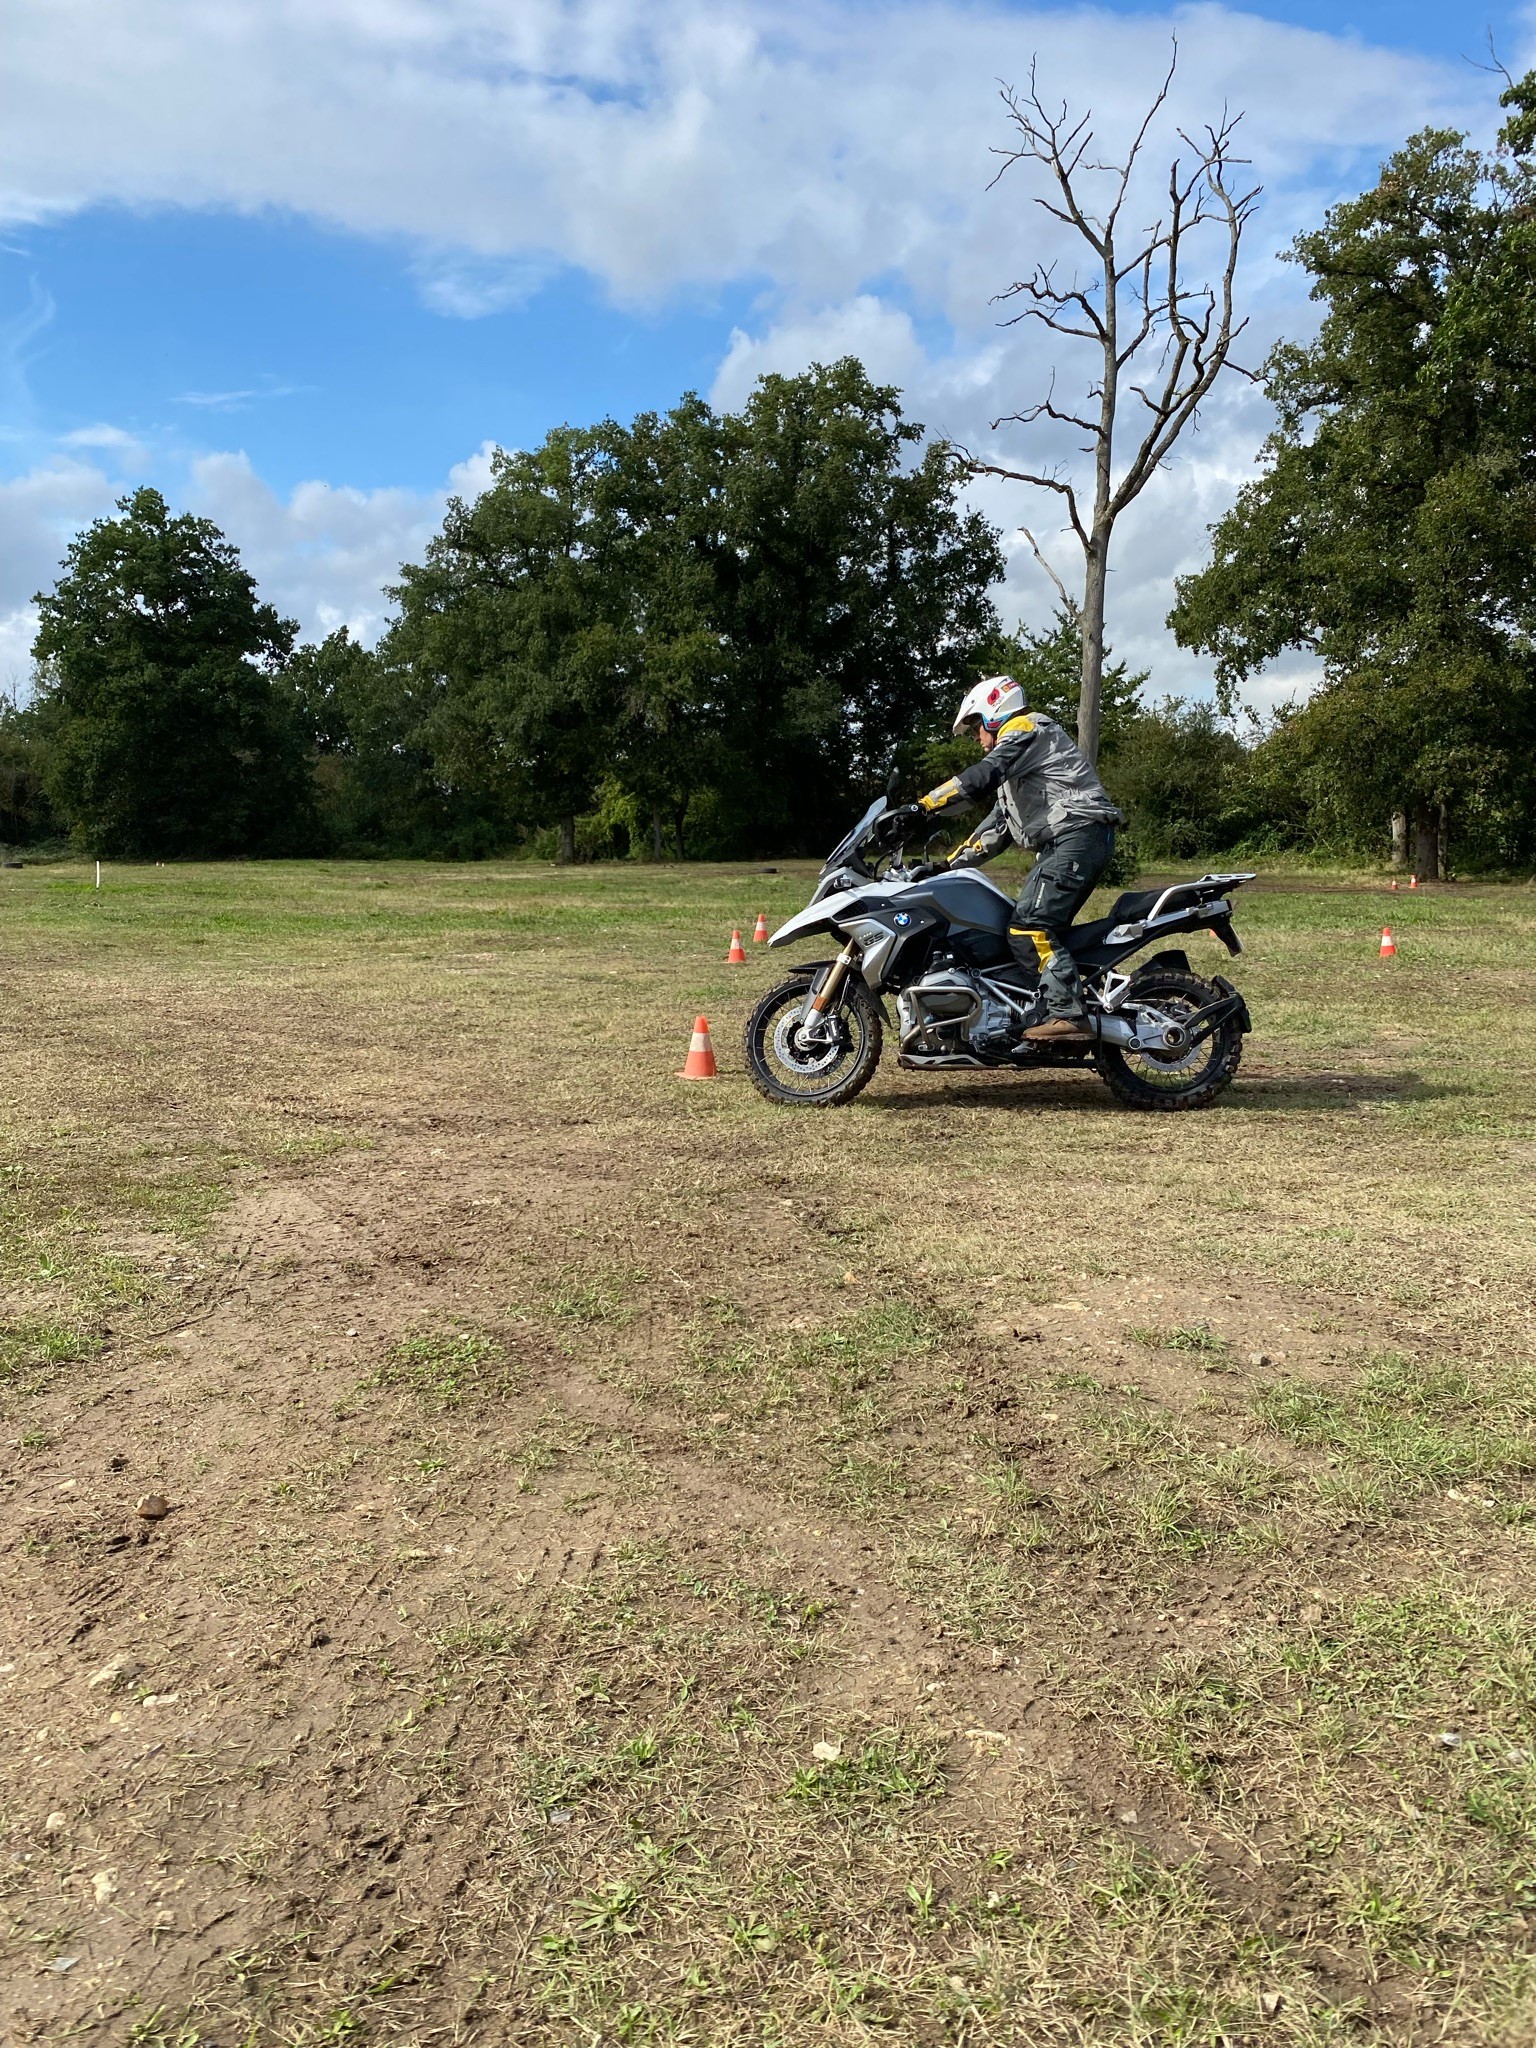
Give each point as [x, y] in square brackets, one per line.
[1045, 785]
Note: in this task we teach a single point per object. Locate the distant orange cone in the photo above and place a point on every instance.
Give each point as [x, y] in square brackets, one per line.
[1388, 944]
[700, 1063]
[1413, 881]
[760, 930]
[1394, 888]
[737, 956]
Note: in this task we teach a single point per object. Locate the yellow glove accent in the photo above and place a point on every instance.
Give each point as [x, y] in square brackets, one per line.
[936, 799]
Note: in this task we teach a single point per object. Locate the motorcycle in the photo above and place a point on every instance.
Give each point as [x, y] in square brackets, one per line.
[935, 941]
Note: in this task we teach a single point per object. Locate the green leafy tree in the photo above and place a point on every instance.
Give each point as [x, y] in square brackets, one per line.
[377, 785]
[513, 630]
[659, 499]
[25, 814]
[165, 728]
[1393, 529]
[854, 591]
[732, 621]
[1179, 772]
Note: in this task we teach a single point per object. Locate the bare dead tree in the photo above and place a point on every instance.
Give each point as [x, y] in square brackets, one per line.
[1151, 334]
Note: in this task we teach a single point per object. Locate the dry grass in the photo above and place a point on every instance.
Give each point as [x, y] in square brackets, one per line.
[977, 1567]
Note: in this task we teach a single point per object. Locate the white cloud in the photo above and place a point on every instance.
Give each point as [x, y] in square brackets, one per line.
[833, 153]
[467, 288]
[820, 147]
[467, 479]
[39, 512]
[109, 439]
[324, 554]
[881, 336]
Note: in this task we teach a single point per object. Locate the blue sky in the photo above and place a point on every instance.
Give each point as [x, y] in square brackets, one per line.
[301, 265]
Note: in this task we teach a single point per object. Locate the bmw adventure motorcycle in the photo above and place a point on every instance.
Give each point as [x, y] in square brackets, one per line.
[1162, 1038]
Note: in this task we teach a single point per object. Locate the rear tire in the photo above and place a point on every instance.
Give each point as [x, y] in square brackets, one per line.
[824, 1079]
[1142, 1082]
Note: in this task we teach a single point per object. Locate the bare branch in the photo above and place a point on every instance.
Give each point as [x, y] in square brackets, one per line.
[1049, 298]
[1068, 602]
[1042, 483]
[1158, 333]
[1141, 135]
[1045, 409]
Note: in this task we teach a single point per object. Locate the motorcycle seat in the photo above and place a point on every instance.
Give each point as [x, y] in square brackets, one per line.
[1126, 909]
[1132, 904]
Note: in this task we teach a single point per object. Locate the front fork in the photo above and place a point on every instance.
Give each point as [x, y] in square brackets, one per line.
[819, 1000]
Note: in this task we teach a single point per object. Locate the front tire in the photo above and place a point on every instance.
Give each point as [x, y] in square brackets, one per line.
[1192, 1081]
[784, 1068]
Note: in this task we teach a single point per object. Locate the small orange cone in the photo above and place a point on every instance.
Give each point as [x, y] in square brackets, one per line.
[1413, 881]
[760, 930]
[1388, 944]
[737, 956]
[1394, 888]
[700, 1063]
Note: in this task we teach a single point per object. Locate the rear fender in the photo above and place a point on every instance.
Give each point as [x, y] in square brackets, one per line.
[1121, 954]
[1175, 957]
[1244, 1021]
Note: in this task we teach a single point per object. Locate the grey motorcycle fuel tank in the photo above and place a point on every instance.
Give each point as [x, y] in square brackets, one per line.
[966, 900]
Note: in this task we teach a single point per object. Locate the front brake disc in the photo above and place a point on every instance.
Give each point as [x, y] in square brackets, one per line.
[803, 1059]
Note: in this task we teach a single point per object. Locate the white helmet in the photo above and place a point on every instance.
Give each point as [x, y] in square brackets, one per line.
[992, 702]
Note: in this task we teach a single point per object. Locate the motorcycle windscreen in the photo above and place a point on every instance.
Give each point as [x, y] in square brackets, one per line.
[844, 850]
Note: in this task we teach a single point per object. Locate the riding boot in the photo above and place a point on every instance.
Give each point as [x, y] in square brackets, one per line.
[1059, 984]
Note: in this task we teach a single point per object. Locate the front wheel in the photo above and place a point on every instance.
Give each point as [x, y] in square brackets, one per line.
[820, 1073]
[1190, 1080]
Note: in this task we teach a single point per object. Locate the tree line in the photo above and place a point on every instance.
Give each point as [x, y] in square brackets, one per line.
[712, 634]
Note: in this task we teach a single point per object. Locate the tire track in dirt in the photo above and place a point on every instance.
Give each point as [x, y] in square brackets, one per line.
[277, 1647]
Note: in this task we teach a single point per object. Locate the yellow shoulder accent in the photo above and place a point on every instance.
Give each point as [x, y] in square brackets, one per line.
[1019, 724]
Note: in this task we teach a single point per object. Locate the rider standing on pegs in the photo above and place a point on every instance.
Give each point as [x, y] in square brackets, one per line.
[1049, 798]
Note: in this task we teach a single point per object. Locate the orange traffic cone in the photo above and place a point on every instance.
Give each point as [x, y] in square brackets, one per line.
[1413, 881]
[760, 930]
[737, 956]
[700, 1063]
[1394, 888]
[1388, 944]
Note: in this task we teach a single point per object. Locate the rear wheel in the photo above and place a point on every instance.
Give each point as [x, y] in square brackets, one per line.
[1191, 1079]
[788, 1065]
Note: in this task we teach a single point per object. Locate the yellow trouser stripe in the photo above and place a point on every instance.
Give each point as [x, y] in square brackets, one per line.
[1043, 947]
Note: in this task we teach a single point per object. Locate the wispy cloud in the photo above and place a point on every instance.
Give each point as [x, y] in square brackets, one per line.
[464, 288]
[236, 401]
[16, 337]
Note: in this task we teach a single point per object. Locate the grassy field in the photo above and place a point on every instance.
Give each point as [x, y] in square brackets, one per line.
[977, 1567]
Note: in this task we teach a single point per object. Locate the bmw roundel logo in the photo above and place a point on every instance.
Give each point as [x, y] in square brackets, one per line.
[903, 917]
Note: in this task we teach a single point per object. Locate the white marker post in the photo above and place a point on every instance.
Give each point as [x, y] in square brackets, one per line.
[98, 874]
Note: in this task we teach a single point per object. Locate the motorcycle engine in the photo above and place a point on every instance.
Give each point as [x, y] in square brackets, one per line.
[951, 1011]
